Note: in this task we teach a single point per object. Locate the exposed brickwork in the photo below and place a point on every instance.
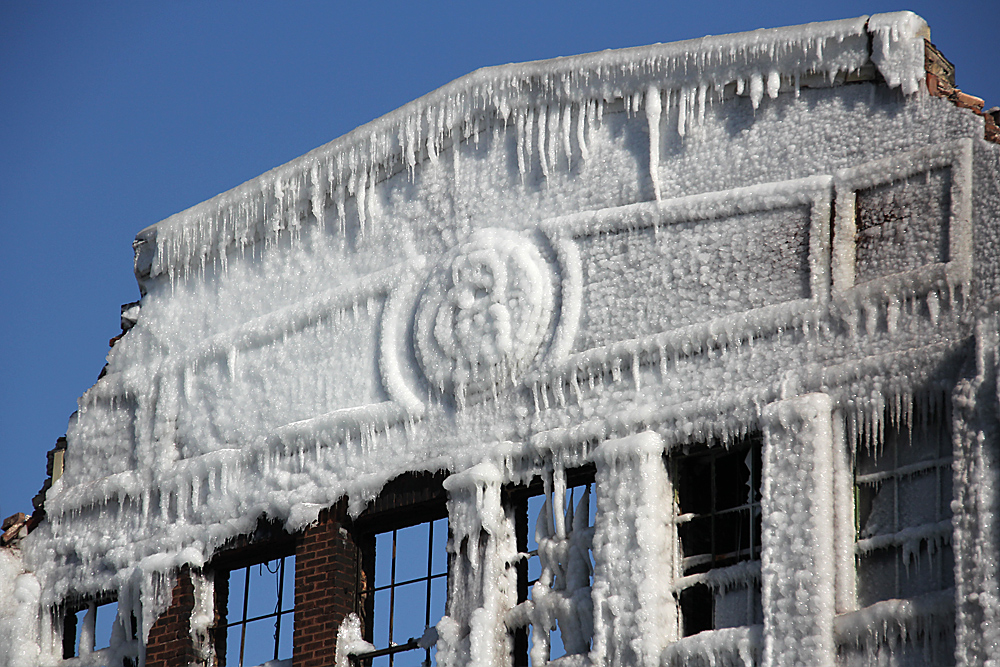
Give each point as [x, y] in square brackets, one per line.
[332, 560]
[941, 83]
[327, 574]
[170, 643]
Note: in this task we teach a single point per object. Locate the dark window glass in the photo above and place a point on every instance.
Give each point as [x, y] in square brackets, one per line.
[717, 496]
[903, 509]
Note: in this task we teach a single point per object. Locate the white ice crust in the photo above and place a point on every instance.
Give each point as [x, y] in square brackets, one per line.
[465, 285]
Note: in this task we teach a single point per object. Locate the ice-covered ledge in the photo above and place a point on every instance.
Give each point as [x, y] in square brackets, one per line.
[685, 75]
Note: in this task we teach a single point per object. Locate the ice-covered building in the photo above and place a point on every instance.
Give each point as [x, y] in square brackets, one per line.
[675, 355]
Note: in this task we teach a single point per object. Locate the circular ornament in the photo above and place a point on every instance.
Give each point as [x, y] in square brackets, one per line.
[483, 313]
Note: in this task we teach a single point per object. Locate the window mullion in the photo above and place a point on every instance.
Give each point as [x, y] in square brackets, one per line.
[246, 597]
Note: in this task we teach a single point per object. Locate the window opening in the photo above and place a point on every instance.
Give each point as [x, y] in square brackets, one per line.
[718, 520]
[903, 487]
[555, 536]
[406, 596]
[90, 628]
[259, 612]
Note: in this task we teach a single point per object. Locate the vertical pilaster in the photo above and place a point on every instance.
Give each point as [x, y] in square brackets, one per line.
[634, 554]
[327, 575]
[797, 561]
[976, 503]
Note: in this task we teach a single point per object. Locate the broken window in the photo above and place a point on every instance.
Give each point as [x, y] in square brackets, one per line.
[257, 601]
[903, 486]
[553, 521]
[717, 514]
[89, 628]
[403, 590]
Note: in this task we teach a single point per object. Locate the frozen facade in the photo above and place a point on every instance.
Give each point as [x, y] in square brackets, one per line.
[691, 347]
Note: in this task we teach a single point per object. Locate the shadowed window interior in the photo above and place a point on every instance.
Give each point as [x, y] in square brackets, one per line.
[718, 520]
[903, 487]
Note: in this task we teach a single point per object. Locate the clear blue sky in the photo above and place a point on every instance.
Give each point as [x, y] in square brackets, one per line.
[115, 115]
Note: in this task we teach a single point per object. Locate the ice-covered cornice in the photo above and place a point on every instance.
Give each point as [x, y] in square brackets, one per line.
[683, 74]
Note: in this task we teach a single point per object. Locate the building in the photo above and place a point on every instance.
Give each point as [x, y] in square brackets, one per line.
[681, 354]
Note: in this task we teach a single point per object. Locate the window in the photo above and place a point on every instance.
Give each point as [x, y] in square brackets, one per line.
[717, 514]
[403, 591]
[88, 628]
[256, 598]
[903, 492]
[553, 523]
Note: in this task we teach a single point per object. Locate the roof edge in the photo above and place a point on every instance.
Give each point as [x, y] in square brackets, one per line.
[752, 63]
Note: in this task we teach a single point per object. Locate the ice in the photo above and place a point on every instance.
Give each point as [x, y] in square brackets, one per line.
[350, 641]
[541, 98]
[586, 261]
[19, 617]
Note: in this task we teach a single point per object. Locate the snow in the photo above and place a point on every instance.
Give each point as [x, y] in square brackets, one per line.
[591, 260]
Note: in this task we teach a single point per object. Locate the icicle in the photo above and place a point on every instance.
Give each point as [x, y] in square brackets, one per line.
[682, 112]
[552, 138]
[559, 501]
[543, 116]
[653, 109]
[933, 307]
[581, 139]
[565, 123]
[529, 130]
[636, 370]
[756, 89]
[892, 316]
[519, 128]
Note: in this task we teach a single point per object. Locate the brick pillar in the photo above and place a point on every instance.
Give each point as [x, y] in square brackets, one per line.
[327, 576]
[170, 643]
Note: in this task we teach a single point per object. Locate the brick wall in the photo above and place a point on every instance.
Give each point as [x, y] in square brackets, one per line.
[170, 643]
[332, 560]
[327, 573]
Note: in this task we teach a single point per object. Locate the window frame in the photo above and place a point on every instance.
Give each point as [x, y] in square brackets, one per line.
[515, 497]
[409, 500]
[687, 580]
[904, 427]
[71, 628]
[268, 542]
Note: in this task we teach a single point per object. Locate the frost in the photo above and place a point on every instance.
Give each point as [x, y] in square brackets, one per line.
[19, 621]
[349, 641]
[538, 99]
[589, 261]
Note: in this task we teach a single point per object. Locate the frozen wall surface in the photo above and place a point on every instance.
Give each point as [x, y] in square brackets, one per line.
[603, 259]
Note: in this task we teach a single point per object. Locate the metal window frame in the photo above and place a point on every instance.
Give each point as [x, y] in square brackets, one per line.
[868, 483]
[281, 611]
[516, 498]
[751, 444]
[366, 594]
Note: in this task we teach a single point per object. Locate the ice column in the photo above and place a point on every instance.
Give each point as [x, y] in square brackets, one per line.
[634, 613]
[797, 562]
[482, 579]
[976, 434]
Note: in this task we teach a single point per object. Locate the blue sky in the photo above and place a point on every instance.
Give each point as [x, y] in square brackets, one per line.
[115, 115]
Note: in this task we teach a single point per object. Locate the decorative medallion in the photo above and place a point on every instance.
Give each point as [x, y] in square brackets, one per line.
[483, 313]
